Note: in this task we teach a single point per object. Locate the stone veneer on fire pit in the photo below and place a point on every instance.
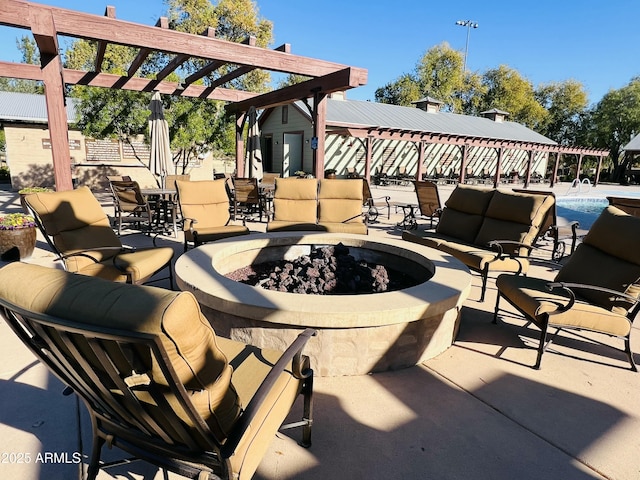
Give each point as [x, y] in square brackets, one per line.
[357, 334]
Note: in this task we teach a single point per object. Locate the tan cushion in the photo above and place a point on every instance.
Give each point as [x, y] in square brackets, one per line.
[174, 317]
[532, 296]
[468, 199]
[608, 257]
[515, 217]
[592, 266]
[478, 258]
[75, 221]
[284, 226]
[430, 239]
[250, 366]
[206, 201]
[211, 234]
[295, 200]
[461, 225]
[349, 227]
[616, 233]
[340, 201]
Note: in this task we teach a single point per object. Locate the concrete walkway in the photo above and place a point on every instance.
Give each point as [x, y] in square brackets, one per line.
[476, 411]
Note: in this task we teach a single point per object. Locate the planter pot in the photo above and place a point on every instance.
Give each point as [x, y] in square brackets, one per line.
[17, 244]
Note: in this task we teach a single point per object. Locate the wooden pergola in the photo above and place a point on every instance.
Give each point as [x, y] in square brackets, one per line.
[48, 23]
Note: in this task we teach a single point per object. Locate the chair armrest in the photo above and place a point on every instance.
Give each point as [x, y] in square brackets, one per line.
[497, 245]
[568, 286]
[291, 355]
[84, 253]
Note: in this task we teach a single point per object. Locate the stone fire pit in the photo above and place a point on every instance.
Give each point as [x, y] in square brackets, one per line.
[357, 334]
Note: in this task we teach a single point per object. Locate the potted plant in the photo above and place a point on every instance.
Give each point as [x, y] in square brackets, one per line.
[23, 192]
[330, 173]
[17, 236]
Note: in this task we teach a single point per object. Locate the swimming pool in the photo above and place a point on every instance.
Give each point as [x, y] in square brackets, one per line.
[584, 210]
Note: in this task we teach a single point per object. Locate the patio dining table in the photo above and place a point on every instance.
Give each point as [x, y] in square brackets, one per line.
[166, 207]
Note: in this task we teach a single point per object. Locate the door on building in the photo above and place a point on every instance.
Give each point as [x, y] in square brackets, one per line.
[292, 154]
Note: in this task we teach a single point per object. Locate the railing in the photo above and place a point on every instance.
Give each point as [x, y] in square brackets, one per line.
[578, 186]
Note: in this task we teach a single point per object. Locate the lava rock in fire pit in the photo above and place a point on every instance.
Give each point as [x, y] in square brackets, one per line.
[325, 271]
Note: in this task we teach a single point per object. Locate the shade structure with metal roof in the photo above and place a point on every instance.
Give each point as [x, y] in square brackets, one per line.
[633, 146]
[426, 126]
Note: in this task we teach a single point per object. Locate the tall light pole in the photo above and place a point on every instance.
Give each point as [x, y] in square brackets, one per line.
[469, 24]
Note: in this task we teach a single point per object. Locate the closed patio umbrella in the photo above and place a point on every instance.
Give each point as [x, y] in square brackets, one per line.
[160, 161]
[253, 160]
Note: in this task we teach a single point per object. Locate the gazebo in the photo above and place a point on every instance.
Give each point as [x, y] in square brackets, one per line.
[48, 23]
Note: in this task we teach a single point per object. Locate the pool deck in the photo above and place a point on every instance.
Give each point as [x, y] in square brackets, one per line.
[478, 410]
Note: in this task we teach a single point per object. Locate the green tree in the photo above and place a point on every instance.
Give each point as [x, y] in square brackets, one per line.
[195, 126]
[402, 91]
[507, 90]
[437, 74]
[614, 121]
[565, 103]
[31, 55]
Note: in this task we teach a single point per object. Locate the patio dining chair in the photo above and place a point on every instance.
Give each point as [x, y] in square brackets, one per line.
[131, 207]
[79, 233]
[156, 380]
[373, 204]
[205, 211]
[596, 290]
[247, 198]
[428, 205]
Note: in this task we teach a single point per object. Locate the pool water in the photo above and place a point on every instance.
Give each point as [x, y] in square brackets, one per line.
[583, 210]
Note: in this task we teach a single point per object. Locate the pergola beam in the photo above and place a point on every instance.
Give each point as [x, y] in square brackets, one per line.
[345, 79]
[143, 53]
[14, 13]
[102, 46]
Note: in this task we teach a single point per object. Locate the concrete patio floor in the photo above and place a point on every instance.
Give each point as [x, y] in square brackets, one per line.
[476, 411]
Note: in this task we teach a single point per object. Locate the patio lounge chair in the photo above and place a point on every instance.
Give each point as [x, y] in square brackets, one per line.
[295, 205]
[340, 206]
[156, 380]
[428, 205]
[371, 203]
[78, 231]
[596, 290]
[626, 204]
[205, 211]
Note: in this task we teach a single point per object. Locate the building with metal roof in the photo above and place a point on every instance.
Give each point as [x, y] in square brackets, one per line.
[372, 139]
[29, 108]
[633, 147]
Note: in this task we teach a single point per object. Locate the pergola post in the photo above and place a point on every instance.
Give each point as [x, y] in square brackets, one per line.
[496, 177]
[554, 174]
[463, 164]
[527, 177]
[579, 167]
[367, 158]
[44, 33]
[422, 145]
[598, 170]
[319, 128]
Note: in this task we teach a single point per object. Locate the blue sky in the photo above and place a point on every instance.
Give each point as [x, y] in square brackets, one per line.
[594, 42]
